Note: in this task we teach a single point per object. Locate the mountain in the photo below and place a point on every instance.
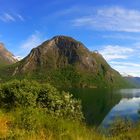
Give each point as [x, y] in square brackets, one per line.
[65, 61]
[6, 57]
[133, 80]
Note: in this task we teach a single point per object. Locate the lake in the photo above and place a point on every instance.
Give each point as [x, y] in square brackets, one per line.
[102, 106]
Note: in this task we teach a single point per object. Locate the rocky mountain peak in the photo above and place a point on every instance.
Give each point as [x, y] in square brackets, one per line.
[1, 45]
[59, 52]
[64, 42]
[6, 57]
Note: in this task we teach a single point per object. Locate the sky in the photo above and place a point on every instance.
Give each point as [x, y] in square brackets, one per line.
[110, 26]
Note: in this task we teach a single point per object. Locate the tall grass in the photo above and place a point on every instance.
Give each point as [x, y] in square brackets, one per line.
[24, 125]
[41, 126]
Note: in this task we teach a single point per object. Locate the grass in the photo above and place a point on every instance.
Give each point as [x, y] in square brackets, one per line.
[44, 127]
[47, 127]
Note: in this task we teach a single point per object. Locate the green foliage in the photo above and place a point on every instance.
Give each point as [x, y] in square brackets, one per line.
[70, 76]
[33, 119]
[119, 127]
[62, 105]
[27, 118]
[18, 94]
[24, 94]
[67, 76]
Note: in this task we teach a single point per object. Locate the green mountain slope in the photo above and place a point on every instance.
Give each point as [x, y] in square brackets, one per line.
[63, 61]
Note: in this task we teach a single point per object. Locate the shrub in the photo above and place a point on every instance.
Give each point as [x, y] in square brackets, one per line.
[18, 94]
[120, 126]
[24, 94]
[59, 104]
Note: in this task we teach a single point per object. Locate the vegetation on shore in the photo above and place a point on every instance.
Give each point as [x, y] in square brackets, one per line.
[33, 124]
[33, 111]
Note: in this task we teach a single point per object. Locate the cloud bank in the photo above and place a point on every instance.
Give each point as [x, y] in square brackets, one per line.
[110, 19]
[123, 58]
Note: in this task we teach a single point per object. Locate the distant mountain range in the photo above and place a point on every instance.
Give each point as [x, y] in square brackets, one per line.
[133, 80]
[65, 61]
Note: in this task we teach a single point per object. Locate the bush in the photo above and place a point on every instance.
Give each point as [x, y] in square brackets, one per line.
[18, 94]
[24, 94]
[120, 126]
[59, 104]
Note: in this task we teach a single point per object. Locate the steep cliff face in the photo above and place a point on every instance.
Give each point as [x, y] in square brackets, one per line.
[66, 60]
[6, 57]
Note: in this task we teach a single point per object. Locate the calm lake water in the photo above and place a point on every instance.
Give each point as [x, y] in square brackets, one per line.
[101, 107]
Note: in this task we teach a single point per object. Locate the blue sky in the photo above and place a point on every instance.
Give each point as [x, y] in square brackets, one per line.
[110, 26]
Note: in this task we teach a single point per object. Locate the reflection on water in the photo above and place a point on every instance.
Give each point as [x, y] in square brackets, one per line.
[103, 106]
[127, 108]
[129, 93]
[96, 103]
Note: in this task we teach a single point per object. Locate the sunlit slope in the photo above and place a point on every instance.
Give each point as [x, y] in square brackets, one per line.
[65, 61]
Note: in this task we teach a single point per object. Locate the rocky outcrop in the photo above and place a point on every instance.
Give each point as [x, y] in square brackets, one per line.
[6, 57]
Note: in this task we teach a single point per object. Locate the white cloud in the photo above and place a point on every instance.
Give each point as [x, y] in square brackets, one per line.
[130, 70]
[127, 68]
[111, 52]
[32, 41]
[126, 64]
[111, 19]
[20, 17]
[120, 36]
[123, 59]
[7, 17]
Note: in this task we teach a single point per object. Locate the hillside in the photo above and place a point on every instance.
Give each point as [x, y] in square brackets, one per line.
[65, 61]
[133, 80]
[6, 57]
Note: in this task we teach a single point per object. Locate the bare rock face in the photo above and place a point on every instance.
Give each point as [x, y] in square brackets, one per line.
[59, 52]
[6, 57]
